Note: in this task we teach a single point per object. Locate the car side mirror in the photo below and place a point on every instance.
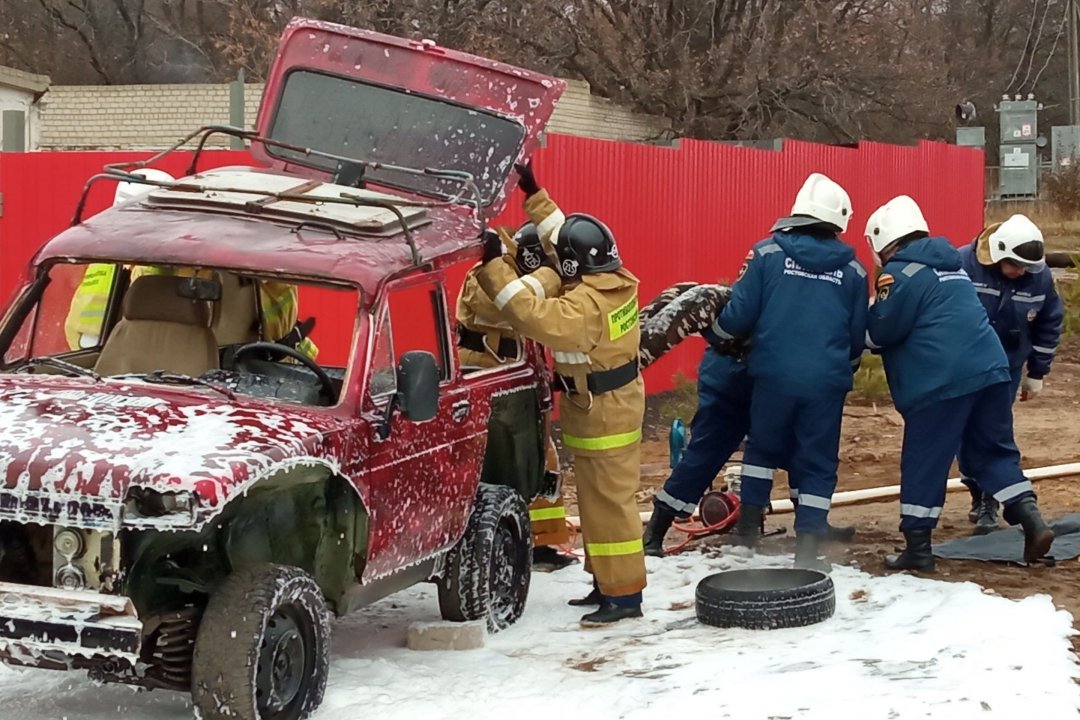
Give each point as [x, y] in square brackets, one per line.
[418, 385]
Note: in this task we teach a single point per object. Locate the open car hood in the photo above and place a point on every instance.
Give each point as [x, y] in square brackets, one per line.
[381, 99]
[71, 450]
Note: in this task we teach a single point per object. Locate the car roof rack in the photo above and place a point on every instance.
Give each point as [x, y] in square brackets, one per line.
[467, 194]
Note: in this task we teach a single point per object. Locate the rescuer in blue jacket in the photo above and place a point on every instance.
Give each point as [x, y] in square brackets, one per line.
[719, 425]
[801, 299]
[949, 379]
[1006, 266]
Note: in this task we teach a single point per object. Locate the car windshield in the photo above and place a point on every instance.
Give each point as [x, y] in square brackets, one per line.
[188, 326]
[376, 124]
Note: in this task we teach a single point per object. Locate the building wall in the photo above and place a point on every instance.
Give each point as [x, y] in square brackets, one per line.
[80, 117]
[23, 101]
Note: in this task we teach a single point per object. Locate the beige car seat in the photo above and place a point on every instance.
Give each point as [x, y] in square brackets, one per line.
[236, 316]
[160, 330]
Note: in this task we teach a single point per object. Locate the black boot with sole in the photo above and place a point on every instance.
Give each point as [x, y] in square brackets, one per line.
[1038, 537]
[987, 518]
[747, 530]
[807, 556]
[610, 613]
[917, 556]
[659, 524]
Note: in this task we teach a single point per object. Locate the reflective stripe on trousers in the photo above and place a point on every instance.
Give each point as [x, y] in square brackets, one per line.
[626, 547]
[604, 442]
[548, 521]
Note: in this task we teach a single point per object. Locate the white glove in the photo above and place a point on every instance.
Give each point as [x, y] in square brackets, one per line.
[1029, 388]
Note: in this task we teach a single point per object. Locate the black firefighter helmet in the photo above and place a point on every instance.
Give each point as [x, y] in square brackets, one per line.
[530, 253]
[586, 246]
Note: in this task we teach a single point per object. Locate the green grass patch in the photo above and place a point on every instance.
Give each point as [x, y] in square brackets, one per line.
[681, 402]
[870, 384]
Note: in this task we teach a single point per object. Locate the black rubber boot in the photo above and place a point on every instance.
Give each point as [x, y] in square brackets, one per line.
[976, 503]
[917, 556]
[659, 524]
[807, 556]
[747, 530]
[1038, 537]
[593, 598]
[549, 559]
[987, 520]
[610, 613]
[833, 533]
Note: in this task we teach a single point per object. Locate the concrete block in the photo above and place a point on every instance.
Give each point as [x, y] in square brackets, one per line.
[447, 635]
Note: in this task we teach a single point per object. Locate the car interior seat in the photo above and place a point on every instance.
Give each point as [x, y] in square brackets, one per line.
[160, 330]
[236, 316]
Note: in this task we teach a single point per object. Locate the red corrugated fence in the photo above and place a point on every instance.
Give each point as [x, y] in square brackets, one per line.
[685, 213]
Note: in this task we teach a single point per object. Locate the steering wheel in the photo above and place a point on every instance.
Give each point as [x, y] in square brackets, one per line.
[277, 349]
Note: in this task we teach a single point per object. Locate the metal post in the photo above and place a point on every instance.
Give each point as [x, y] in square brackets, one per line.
[236, 108]
[1074, 63]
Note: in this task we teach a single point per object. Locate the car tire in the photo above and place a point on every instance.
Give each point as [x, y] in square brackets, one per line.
[487, 573]
[262, 651]
[765, 599]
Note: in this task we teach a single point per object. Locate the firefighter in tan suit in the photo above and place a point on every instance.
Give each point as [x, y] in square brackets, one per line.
[485, 340]
[592, 330]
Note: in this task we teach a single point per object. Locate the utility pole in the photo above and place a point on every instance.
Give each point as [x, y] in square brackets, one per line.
[1073, 10]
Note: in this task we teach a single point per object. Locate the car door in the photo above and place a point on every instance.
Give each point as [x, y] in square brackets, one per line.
[422, 476]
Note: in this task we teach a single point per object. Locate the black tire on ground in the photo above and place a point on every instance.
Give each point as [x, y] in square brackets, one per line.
[487, 573]
[765, 599]
[263, 647]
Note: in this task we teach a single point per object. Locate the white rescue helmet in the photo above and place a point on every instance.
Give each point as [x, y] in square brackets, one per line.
[819, 200]
[126, 190]
[895, 219]
[1020, 241]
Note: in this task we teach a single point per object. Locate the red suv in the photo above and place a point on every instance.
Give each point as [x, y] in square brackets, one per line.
[185, 500]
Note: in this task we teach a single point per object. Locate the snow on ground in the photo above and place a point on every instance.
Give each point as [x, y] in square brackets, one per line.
[898, 647]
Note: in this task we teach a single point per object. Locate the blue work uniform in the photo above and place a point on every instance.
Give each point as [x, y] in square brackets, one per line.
[801, 298]
[719, 426]
[949, 379]
[1025, 313]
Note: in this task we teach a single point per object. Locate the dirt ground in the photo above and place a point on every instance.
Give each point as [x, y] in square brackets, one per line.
[1047, 430]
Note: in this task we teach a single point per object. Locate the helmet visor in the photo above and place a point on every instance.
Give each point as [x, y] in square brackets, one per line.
[1029, 253]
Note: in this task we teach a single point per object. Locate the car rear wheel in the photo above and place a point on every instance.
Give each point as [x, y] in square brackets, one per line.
[262, 650]
[488, 572]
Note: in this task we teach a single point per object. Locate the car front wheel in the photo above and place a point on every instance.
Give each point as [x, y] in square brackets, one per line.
[262, 650]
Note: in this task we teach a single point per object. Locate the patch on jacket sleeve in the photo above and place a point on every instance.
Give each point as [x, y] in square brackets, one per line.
[884, 285]
[746, 263]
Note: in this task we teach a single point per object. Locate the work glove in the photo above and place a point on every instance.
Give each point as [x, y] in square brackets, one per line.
[1030, 387]
[493, 246]
[526, 179]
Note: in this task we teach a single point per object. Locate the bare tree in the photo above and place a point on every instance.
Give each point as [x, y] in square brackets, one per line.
[831, 70]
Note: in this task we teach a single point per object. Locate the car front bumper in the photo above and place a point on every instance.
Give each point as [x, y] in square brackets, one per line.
[62, 629]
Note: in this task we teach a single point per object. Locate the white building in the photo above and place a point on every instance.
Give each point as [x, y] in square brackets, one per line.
[20, 93]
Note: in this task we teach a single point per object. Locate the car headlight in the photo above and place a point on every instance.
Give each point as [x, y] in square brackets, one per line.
[69, 544]
[151, 503]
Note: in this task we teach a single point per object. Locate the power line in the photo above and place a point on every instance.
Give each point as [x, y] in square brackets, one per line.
[1023, 53]
[1035, 46]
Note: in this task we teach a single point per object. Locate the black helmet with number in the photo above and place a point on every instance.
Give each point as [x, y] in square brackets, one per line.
[529, 254]
[585, 246]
